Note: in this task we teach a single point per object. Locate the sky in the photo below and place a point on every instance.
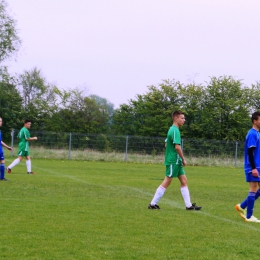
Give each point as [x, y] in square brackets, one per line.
[117, 48]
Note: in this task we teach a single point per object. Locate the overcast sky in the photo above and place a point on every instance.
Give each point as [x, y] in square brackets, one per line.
[116, 48]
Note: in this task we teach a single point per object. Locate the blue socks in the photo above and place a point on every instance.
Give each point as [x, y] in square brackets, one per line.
[250, 204]
[2, 168]
[243, 205]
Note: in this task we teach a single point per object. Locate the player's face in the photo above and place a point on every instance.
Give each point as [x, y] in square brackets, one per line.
[1, 121]
[257, 123]
[28, 125]
[180, 120]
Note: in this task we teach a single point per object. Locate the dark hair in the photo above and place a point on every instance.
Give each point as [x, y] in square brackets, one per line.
[26, 121]
[176, 113]
[255, 116]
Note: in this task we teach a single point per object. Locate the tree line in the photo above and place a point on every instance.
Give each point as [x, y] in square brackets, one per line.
[219, 109]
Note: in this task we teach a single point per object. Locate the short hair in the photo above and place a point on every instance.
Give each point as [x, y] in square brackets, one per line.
[255, 116]
[26, 121]
[176, 113]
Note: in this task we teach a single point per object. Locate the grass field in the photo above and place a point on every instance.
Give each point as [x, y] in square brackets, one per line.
[98, 210]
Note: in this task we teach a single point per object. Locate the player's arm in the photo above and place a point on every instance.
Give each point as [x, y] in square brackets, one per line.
[251, 159]
[32, 138]
[6, 146]
[180, 153]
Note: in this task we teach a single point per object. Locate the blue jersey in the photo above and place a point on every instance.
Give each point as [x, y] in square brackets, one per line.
[1, 148]
[252, 140]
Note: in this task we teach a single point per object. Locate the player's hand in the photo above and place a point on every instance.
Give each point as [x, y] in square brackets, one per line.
[184, 162]
[35, 138]
[255, 173]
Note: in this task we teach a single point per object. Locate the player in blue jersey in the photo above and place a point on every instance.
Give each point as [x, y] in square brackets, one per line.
[2, 158]
[252, 170]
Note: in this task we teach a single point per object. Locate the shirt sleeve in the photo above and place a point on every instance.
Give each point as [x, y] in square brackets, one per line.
[252, 141]
[176, 137]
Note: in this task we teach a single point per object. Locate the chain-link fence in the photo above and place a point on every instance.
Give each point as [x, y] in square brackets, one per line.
[102, 147]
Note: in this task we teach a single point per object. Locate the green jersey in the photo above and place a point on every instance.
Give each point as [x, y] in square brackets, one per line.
[171, 155]
[23, 143]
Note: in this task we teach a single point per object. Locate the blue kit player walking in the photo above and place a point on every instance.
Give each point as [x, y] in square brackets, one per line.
[252, 170]
[2, 158]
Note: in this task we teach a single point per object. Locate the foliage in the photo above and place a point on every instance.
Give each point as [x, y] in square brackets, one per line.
[225, 110]
[9, 40]
[150, 114]
[220, 110]
[10, 103]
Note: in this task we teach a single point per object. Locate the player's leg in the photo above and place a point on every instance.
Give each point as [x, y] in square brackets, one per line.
[29, 165]
[15, 162]
[245, 209]
[2, 167]
[185, 191]
[162, 188]
[251, 200]
[241, 208]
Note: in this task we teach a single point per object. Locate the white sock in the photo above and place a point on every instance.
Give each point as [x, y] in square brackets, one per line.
[186, 196]
[29, 166]
[16, 161]
[158, 194]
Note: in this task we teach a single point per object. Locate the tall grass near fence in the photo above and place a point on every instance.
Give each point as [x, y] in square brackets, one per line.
[102, 147]
[93, 155]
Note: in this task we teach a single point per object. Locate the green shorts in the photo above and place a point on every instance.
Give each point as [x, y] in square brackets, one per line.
[174, 170]
[24, 153]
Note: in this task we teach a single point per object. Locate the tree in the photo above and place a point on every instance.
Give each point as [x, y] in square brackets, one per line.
[78, 113]
[10, 103]
[225, 111]
[39, 97]
[253, 96]
[105, 105]
[191, 99]
[150, 114]
[9, 40]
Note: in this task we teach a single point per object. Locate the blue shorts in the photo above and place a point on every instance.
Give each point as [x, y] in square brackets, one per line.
[251, 178]
[2, 156]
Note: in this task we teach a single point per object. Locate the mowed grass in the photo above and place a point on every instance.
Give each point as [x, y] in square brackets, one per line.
[98, 210]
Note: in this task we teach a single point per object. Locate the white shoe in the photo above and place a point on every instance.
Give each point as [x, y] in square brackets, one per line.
[252, 219]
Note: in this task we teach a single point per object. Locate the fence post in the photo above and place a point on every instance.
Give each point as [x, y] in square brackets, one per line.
[12, 142]
[182, 141]
[69, 145]
[236, 155]
[126, 147]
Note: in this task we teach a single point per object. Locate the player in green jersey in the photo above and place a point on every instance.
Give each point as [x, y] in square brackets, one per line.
[174, 162]
[24, 151]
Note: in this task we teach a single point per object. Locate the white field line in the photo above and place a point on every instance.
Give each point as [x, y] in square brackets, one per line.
[149, 195]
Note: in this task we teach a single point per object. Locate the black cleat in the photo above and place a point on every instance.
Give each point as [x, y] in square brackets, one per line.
[153, 206]
[193, 207]
[30, 172]
[4, 179]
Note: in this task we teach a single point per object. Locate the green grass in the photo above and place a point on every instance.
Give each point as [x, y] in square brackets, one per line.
[98, 210]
